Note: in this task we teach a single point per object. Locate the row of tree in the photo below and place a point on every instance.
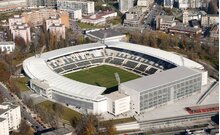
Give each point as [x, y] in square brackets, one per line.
[183, 44]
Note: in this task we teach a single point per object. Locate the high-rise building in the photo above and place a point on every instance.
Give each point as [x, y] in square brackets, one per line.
[10, 117]
[36, 18]
[144, 4]
[125, 5]
[168, 3]
[184, 4]
[19, 28]
[35, 3]
[87, 7]
[50, 3]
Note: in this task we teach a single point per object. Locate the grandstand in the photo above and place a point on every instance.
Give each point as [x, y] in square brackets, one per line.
[46, 72]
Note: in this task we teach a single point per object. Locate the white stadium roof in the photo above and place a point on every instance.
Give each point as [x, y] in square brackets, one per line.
[37, 68]
[164, 55]
[158, 79]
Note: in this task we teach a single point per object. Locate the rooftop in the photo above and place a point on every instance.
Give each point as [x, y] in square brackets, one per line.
[109, 33]
[159, 79]
[7, 43]
[116, 95]
[166, 18]
[183, 28]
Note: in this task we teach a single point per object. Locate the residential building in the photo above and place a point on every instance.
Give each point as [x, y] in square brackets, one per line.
[87, 7]
[74, 14]
[158, 89]
[168, 3]
[7, 46]
[35, 3]
[209, 19]
[7, 5]
[52, 20]
[58, 30]
[117, 103]
[15, 19]
[105, 35]
[165, 22]
[133, 17]
[189, 31]
[189, 15]
[145, 4]
[12, 114]
[125, 5]
[185, 4]
[50, 3]
[4, 129]
[99, 18]
[21, 30]
[36, 18]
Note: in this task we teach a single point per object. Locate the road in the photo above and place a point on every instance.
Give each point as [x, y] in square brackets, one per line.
[6, 93]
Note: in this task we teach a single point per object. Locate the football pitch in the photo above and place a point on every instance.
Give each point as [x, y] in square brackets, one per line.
[102, 76]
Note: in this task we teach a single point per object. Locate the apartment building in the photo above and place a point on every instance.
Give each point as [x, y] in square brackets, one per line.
[10, 117]
[87, 7]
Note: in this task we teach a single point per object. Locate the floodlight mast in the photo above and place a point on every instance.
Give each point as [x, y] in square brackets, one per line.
[117, 77]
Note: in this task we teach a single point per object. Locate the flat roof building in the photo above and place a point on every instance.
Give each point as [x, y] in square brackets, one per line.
[10, 117]
[117, 103]
[87, 7]
[125, 5]
[7, 46]
[106, 34]
[158, 89]
[36, 18]
[165, 22]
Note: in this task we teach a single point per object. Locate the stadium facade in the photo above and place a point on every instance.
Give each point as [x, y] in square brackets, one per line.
[174, 76]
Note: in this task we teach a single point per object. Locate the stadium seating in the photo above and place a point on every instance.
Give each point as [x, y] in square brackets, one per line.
[137, 62]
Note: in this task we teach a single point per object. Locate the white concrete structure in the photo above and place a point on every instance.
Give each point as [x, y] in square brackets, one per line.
[117, 103]
[87, 7]
[125, 5]
[144, 4]
[48, 83]
[58, 29]
[12, 114]
[99, 18]
[184, 4]
[75, 14]
[165, 22]
[4, 129]
[193, 15]
[161, 88]
[7, 46]
[111, 35]
[168, 3]
[21, 30]
[52, 20]
[15, 19]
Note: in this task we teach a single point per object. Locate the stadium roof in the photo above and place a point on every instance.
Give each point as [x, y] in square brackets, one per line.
[37, 68]
[164, 55]
[68, 50]
[159, 79]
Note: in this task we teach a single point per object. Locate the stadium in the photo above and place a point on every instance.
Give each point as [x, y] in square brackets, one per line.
[149, 77]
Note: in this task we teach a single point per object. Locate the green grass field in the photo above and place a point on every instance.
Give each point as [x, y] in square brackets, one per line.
[102, 76]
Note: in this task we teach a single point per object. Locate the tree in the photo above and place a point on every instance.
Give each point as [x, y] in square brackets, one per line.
[4, 72]
[212, 8]
[24, 129]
